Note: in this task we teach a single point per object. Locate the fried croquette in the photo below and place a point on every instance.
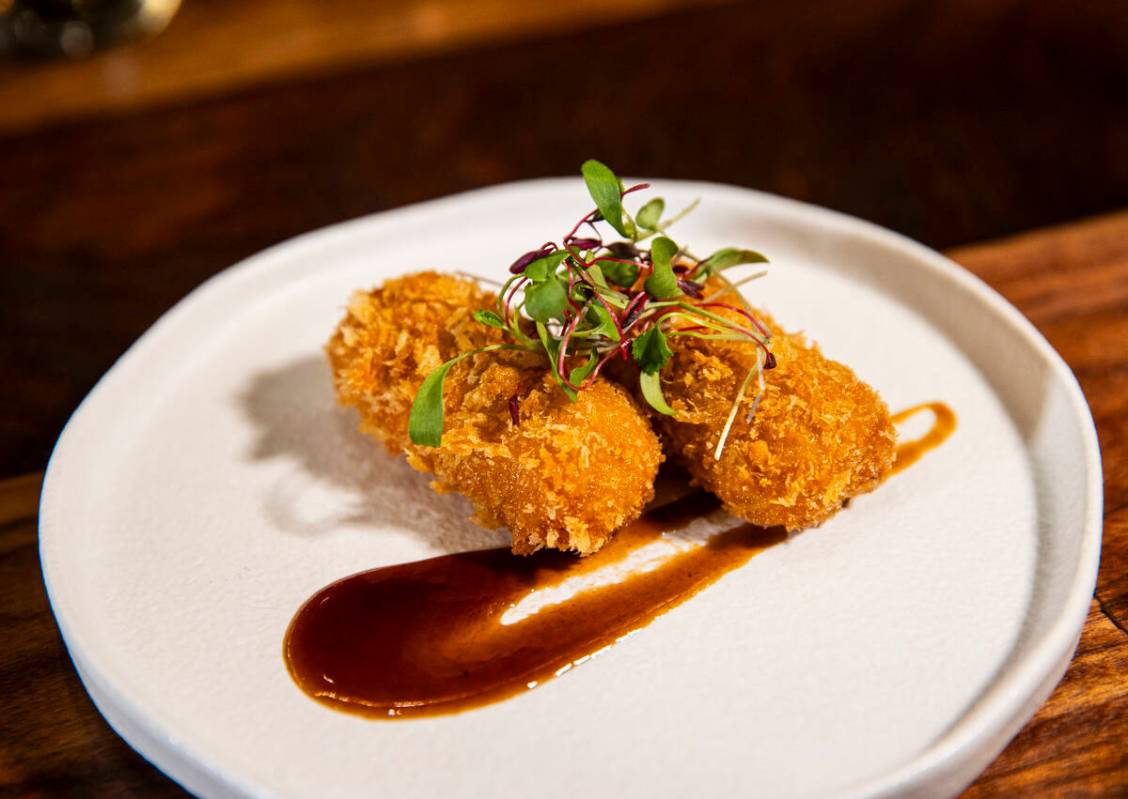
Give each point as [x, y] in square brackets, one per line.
[819, 435]
[565, 476]
[392, 337]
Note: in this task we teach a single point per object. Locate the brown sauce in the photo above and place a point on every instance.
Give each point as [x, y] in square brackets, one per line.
[426, 638]
[943, 425]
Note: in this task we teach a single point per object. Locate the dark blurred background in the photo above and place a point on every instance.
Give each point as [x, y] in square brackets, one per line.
[129, 176]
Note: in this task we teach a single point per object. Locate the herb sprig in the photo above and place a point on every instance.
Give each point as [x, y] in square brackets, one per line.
[585, 301]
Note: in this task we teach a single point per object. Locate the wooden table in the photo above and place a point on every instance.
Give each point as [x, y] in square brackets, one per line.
[126, 181]
[1073, 284]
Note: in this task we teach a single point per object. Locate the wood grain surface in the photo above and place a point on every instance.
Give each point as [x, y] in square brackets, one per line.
[216, 46]
[1070, 281]
[127, 180]
[950, 122]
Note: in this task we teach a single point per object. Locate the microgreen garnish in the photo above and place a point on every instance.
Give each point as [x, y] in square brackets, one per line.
[425, 424]
[651, 350]
[729, 257]
[607, 191]
[489, 319]
[662, 283]
[584, 300]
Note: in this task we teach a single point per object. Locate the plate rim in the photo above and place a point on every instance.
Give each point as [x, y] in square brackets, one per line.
[1001, 713]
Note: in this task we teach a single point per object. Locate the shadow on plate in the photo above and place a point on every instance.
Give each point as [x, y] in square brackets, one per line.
[355, 483]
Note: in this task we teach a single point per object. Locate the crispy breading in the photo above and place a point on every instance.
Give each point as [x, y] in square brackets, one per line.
[819, 436]
[393, 336]
[566, 477]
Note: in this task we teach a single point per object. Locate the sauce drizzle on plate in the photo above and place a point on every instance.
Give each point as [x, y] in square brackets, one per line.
[943, 425]
[428, 638]
[431, 637]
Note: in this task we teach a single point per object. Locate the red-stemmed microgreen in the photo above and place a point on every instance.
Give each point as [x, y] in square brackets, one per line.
[585, 301]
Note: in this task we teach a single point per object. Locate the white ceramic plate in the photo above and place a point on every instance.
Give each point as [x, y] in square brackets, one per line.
[208, 486]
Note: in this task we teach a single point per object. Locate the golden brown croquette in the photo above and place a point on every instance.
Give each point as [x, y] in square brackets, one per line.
[566, 476]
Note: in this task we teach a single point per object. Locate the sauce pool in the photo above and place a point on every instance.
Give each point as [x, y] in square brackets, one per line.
[429, 638]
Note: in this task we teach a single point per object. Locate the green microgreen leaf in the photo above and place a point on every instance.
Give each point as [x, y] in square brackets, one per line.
[651, 386]
[547, 300]
[662, 283]
[552, 349]
[596, 274]
[606, 190]
[651, 350]
[580, 373]
[550, 344]
[602, 324]
[489, 319]
[614, 298]
[666, 223]
[728, 257]
[425, 422]
[539, 270]
[650, 214]
[618, 273]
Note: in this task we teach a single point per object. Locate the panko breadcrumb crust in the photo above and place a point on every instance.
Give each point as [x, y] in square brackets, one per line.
[566, 477]
[819, 436]
[571, 473]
